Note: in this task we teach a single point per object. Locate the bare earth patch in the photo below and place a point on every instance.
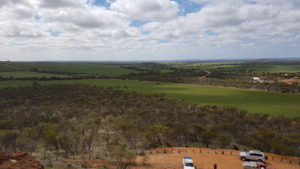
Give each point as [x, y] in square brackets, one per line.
[171, 158]
[203, 161]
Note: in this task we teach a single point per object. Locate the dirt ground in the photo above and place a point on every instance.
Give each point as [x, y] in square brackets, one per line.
[171, 158]
[290, 81]
[203, 161]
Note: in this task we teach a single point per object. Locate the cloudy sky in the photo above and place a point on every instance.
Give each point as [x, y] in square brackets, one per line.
[148, 29]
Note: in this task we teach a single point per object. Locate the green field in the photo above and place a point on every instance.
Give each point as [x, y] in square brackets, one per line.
[76, 67]
[253, 101]
[270, 68]
[244, 66]
[6, 68]
[27, 74]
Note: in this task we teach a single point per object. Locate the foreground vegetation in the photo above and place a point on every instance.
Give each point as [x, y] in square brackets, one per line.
[69, 120]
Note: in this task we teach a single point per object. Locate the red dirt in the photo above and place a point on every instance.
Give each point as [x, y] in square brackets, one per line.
[204, 161]
[171, 158]
[290, 81]
[19, 160]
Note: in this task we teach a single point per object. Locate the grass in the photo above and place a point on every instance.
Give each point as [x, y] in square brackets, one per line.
[243, 66]
[166, 71]
[268, 68]
[28, 74]
[6, 68]
[76, 67]
[258, 102]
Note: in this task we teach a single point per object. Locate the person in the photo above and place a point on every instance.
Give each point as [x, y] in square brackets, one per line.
[215, 166]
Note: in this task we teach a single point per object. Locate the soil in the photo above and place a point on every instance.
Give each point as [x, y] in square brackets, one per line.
[290, 82]
[19, 160]
[203, 159]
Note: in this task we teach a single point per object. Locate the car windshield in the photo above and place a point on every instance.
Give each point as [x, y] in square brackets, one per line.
[189, 164]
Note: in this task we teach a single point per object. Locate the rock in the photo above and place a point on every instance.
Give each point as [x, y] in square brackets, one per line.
[13, 161]
[20, 160]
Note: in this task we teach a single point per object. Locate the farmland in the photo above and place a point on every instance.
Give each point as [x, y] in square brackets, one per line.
[28, 74]
[7, 68]
[76, 67]
[258, 102]
[177, 81]
[267, 67]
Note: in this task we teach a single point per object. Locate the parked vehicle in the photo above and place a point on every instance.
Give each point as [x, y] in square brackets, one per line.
[252, 156]
[255, 165]
[188, 163]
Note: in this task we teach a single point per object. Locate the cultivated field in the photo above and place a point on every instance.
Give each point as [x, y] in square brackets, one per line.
[28, 74]
[244, 66]
[7, 68]
[76, 67]
[253, 101]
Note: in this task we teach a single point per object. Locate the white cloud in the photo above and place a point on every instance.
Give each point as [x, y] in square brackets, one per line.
[147, 10]
[35, 28]
[59, 3]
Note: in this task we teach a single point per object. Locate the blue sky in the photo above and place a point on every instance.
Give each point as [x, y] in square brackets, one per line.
[149, 30]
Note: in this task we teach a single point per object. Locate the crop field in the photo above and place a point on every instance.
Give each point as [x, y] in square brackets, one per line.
[258, 102]
[28, 74]
[85, 68]
[270, 68]
[243, 66]
[7, 68]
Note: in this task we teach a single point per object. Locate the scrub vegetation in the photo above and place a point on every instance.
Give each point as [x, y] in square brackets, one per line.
[46, 119]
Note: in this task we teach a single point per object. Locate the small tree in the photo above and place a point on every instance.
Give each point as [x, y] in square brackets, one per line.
[121, 156]
[207, 137]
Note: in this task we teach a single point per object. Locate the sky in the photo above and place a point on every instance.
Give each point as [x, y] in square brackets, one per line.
[137, 30]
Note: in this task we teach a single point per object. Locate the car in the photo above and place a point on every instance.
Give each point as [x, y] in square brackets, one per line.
[188, 163]
[252, 155]
[255, 165]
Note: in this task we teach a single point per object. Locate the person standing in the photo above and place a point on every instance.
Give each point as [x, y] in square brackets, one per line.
[215, 166]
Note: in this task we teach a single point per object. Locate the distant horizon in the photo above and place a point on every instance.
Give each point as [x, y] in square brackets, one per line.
[174, 61]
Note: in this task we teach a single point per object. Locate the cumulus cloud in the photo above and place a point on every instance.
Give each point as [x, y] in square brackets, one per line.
[147, 10]
[33, 28]
[59, 3]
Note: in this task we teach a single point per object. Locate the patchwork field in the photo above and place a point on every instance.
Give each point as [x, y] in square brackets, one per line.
[253, 101]
[271, 68]
[243, 66]
[7, 68]
[28, 74]
[76, 67]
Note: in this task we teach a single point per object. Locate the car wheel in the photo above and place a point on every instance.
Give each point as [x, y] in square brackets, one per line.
[243, 158]
[259, 160]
